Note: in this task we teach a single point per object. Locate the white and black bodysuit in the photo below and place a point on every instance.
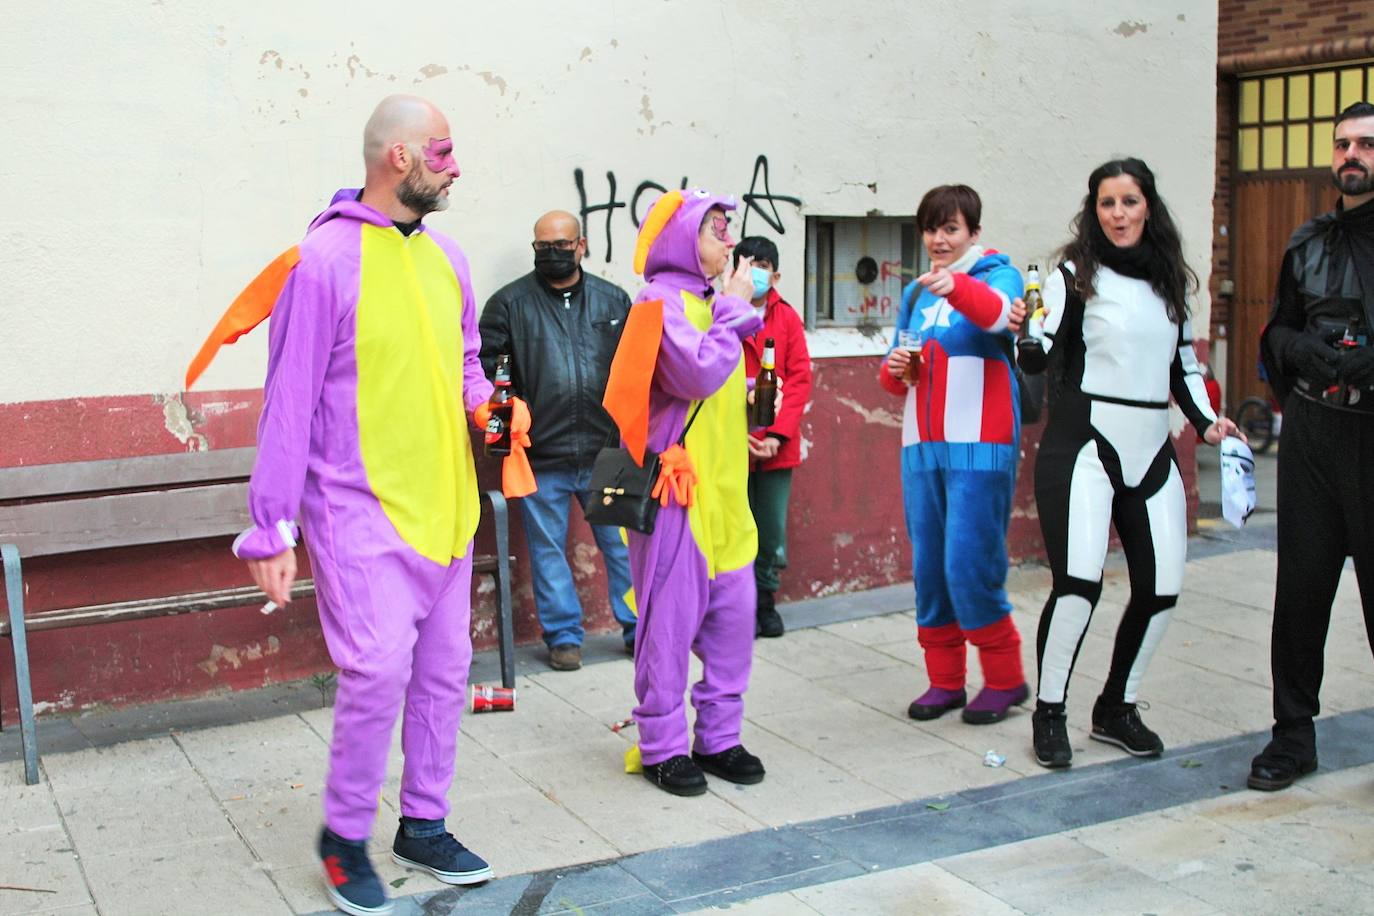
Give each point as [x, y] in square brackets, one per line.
[1106, 457]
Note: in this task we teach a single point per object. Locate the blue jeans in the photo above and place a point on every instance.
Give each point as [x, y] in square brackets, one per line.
[546, 534]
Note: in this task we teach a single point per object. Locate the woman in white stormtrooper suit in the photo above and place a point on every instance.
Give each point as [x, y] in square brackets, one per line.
[1117, 332]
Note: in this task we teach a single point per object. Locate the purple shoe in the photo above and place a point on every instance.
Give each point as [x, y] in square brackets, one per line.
[935, 702]
[993, 705]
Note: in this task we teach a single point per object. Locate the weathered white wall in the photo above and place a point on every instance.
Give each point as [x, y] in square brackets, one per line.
[159, 153]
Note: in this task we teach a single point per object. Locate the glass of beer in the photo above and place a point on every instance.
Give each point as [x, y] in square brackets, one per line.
[910, 341]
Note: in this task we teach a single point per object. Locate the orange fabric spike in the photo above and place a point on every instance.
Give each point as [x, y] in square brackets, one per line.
[659, 214]
[632, 370]
[676, 476]
[517, 477]
[247, 311]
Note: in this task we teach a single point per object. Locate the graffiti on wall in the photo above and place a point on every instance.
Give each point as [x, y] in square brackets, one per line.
[759, 199]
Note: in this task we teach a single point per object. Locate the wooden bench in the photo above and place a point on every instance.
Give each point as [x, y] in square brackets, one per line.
[49, 510]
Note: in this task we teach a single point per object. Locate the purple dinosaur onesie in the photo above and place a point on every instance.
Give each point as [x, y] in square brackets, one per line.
[372, 370]
[693, 577]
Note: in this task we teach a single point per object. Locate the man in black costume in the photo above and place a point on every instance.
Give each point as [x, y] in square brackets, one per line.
[1318, 350]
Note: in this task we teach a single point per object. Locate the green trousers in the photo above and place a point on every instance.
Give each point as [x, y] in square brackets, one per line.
[769, 492]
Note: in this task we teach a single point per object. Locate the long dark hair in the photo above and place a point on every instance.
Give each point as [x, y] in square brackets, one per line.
[1170, 276]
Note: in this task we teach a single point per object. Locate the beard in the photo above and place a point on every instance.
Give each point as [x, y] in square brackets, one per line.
[415, 195]
[1353, 183]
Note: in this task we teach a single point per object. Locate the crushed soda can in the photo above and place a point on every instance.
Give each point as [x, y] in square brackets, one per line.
[490, 698]
[993, 759]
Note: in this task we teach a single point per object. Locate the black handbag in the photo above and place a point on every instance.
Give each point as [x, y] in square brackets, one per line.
[621, 491]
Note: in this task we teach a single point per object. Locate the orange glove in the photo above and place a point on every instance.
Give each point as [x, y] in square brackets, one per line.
[517, 477]
[676, 476]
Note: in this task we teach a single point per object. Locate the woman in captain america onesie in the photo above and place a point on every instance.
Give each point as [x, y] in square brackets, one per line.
[1117, 332]
[693, 577]
[961, 430]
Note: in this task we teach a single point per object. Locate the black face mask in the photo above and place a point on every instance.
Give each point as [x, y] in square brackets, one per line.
[555, 264]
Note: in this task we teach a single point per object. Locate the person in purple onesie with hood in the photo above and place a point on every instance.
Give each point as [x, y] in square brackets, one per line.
[693, 577]
[372, 371]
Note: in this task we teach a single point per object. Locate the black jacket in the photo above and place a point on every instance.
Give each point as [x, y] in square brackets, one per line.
[1326, 285]
[560, 359]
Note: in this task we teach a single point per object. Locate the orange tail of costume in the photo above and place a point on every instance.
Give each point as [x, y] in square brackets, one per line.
[247, 311]
[632, 371]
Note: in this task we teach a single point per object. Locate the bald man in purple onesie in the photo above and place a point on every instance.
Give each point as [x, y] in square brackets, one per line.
[372, 370]
[693, 577]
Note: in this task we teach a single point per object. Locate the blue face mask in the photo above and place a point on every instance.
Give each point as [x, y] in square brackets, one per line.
[763, 280]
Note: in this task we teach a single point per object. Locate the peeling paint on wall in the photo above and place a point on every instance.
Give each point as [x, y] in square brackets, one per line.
[1127, 29]
[876, 415]
[236, 657]
[180, 423]
[491, 79]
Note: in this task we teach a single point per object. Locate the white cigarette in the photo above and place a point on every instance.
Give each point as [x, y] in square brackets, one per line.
[269, 607]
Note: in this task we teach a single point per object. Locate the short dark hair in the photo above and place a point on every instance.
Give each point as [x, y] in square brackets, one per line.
[1354, 110]
[758, 248]
[941, 204]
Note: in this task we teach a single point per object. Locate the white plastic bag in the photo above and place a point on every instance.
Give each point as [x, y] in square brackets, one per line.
[1237, 481]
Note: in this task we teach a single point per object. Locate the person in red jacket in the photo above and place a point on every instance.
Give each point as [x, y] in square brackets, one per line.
[776, 450]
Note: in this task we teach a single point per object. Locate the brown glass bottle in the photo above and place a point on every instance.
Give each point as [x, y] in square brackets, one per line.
[498, 426]
[765, 388]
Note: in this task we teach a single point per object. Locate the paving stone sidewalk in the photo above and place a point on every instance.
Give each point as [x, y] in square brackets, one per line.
[212, 806]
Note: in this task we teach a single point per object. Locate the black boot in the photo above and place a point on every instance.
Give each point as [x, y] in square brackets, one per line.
[1291, 753]
[676, 775]
[734, 763]
[1119, 724]
[1050, 735]
[769, 621]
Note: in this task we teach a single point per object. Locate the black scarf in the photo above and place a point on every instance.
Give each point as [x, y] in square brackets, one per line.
[1136, 262]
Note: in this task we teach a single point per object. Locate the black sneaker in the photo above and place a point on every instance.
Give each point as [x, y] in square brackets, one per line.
[677, 776]
[1279, 765]
[350, 881]
[437, 853]
[769, 622]
[1050, 736]
[735, 764]
[1119, 724]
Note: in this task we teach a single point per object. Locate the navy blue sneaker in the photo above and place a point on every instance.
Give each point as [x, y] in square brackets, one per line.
[426, 845]
[350, 880]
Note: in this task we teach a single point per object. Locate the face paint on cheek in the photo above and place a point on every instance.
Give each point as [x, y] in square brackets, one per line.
[439, 155]
[720, 228]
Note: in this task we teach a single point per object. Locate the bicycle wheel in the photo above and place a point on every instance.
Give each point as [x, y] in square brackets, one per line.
[1255, 418]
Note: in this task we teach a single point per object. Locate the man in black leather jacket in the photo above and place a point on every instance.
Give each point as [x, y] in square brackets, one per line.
[1318, 352]
[561, 327]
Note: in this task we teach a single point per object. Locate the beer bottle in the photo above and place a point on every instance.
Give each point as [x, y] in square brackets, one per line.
[498, 426]
[765, 388]
[1034, 301]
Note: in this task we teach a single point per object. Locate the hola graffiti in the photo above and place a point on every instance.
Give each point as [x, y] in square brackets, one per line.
[759, 199]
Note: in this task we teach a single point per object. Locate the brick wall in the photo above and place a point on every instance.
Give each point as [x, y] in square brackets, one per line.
[1253, 25]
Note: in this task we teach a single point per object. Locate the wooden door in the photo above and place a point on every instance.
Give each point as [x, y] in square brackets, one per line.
[1265, 213]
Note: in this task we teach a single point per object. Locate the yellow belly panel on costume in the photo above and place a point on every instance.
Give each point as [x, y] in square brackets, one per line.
[721, 522]
[412, 428]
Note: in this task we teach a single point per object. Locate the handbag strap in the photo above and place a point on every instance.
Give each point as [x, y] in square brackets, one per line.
[682, 439]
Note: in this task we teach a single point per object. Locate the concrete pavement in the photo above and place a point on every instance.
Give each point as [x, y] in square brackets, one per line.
[212, 806]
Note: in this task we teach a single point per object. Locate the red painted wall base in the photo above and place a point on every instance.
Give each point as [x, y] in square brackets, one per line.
[846, 534]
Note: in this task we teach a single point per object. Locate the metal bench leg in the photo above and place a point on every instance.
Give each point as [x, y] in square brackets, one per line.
[505, 620]
[14, 592]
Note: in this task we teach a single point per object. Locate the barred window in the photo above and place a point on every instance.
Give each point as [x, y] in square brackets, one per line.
[1285, 120]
